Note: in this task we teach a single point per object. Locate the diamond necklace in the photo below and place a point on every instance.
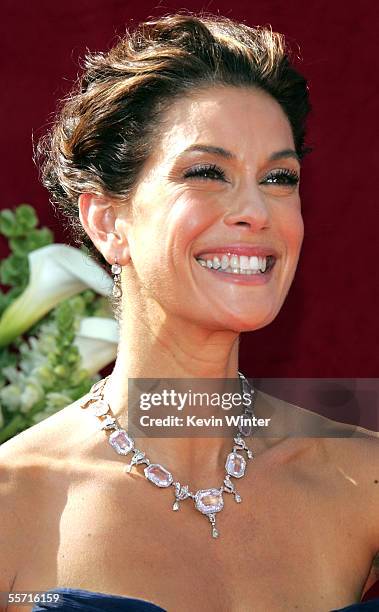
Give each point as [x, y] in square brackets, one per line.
[207, 501]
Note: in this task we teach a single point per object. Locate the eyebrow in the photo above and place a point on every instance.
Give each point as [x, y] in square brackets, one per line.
[229, 155]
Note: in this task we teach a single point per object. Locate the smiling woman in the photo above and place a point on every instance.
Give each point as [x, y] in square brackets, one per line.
[177, 161]
[229, 207]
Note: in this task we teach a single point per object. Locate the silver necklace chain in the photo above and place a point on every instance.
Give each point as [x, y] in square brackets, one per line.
[207, 501]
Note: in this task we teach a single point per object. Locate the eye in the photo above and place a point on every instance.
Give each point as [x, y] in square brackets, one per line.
[283, 176]
[206, 171]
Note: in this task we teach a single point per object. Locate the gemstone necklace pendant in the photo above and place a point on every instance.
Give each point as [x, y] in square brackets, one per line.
[207, 501]
[214, 531]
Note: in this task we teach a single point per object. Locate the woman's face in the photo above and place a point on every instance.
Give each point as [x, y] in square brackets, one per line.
[221, 185]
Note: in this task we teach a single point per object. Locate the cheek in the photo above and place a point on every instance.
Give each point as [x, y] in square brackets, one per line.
[165, 233]
[189, 216]
[291, 227]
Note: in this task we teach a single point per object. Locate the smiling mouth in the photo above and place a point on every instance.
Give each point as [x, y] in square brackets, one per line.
[238, 264]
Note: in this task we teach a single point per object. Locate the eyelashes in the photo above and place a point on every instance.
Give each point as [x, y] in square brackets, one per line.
[206, 171]
[282, 176]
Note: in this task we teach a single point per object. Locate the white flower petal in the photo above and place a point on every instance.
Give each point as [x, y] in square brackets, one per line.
[97, 341]
[57, 271]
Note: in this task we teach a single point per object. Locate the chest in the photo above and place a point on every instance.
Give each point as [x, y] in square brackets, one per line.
[290, 533]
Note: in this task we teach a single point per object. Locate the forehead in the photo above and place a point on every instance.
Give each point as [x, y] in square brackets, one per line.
[247, 121]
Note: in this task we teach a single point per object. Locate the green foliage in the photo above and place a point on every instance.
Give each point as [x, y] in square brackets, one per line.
[20, 228]
[48, 375]
[12, 269]
[40, 372]
[14, 224]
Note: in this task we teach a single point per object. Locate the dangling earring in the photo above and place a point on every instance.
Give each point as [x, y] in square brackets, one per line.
[116, 270]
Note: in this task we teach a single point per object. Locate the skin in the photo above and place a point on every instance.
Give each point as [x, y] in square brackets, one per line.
[183, 322]
[310, 505]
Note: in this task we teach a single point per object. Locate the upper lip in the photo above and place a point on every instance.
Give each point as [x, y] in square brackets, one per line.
[240, 249]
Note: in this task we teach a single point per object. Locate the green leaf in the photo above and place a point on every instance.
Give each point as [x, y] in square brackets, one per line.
[24, 244]
[17, 424]
[7, 359]
[4, 301]
[72, 356]
[18, 246]
[8, 223]
[18, 223]
[14, 270]
[45, 236]
[26, 218]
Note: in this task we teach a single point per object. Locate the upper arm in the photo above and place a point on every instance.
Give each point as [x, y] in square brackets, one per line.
[371, 466]
[11, 526]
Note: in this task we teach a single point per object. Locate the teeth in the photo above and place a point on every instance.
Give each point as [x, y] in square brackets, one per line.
[234, 261]
[224, 262]
[244, 262]
[235, 264]
[254, 263]
[216, 263]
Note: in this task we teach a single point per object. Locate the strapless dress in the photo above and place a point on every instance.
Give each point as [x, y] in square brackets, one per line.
[88, 601]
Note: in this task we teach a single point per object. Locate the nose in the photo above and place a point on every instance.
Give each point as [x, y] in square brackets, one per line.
[248, 209]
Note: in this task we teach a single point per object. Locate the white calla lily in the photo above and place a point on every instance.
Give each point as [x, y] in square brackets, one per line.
[57, 272]
[97, 341]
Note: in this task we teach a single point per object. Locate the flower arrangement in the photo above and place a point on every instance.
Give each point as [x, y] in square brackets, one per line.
[57, 330]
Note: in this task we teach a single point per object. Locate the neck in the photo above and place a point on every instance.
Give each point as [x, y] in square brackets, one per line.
[169, 354]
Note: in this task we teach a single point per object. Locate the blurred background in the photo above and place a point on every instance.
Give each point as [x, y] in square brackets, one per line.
[328, 325]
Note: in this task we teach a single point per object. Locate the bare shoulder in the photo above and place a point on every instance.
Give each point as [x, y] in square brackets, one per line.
[31, 464]
[46, 447]
[56, 435]
[357, 460]
[353, 443]
[294, 420]
[348, 452]
[11, 521]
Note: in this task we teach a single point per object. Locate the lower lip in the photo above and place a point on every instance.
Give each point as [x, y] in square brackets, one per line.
[241, 279]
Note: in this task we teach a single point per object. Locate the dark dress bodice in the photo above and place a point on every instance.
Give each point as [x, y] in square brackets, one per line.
[88, 601]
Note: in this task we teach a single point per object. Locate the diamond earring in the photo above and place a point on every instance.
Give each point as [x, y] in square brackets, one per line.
[116, 270]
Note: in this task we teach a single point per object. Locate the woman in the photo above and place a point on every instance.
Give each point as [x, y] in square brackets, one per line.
[180, 153]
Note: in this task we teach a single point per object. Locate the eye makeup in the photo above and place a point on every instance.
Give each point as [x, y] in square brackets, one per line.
[205, 171]
[280, 176]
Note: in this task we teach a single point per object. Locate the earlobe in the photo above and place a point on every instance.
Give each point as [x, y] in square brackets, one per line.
[98, 217]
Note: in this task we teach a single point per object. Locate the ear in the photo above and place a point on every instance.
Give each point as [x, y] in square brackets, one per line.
[106, 225]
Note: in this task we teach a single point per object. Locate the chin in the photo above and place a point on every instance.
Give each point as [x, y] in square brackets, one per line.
[250, 326]
[243, 323]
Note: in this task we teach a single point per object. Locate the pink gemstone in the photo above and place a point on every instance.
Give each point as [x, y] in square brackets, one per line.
[209, 501]
[121, 442]
[158, 475]
[235, 465]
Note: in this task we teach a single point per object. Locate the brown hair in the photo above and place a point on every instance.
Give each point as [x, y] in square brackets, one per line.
[107, 126]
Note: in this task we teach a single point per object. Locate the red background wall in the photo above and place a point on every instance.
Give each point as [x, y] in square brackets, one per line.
[328, 326]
